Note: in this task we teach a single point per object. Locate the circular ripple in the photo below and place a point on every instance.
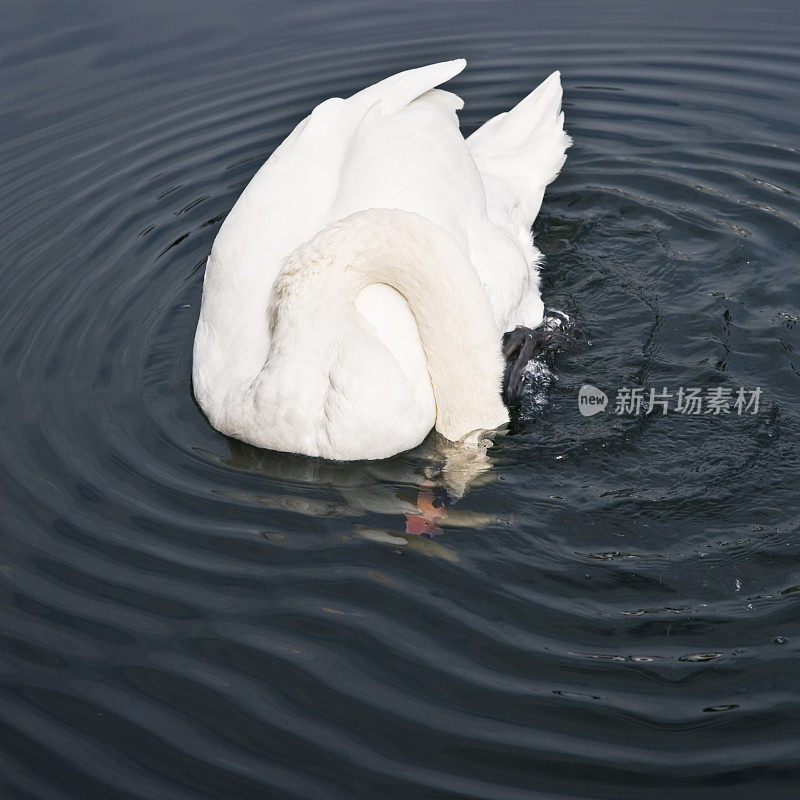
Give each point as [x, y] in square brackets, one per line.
[583, 607]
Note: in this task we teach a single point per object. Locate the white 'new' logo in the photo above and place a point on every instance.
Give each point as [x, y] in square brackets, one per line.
[591, 400]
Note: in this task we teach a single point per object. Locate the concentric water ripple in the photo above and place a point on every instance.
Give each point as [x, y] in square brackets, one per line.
[592, 608]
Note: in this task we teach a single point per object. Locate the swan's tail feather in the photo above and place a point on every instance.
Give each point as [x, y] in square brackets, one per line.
[524, 148]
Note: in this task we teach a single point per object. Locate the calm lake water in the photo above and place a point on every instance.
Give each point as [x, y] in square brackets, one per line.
[606, 607]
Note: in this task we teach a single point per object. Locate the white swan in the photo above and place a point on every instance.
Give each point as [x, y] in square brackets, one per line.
[356, 295]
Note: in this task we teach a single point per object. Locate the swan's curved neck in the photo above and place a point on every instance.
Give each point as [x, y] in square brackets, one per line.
[424, 264]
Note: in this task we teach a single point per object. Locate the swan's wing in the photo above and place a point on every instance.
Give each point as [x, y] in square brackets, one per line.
[519, 152]
[289, 199]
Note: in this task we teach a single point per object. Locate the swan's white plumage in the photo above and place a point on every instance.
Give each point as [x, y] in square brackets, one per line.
[359, 384]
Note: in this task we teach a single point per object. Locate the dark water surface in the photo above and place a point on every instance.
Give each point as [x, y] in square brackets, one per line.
[611, 608]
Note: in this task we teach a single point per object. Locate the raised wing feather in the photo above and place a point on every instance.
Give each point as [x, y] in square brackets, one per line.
[399, 90]
[519, 152]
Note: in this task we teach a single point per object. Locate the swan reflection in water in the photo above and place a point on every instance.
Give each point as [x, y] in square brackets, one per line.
[419, 488]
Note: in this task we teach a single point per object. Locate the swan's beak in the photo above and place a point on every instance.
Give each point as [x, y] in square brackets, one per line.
[431, 511]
